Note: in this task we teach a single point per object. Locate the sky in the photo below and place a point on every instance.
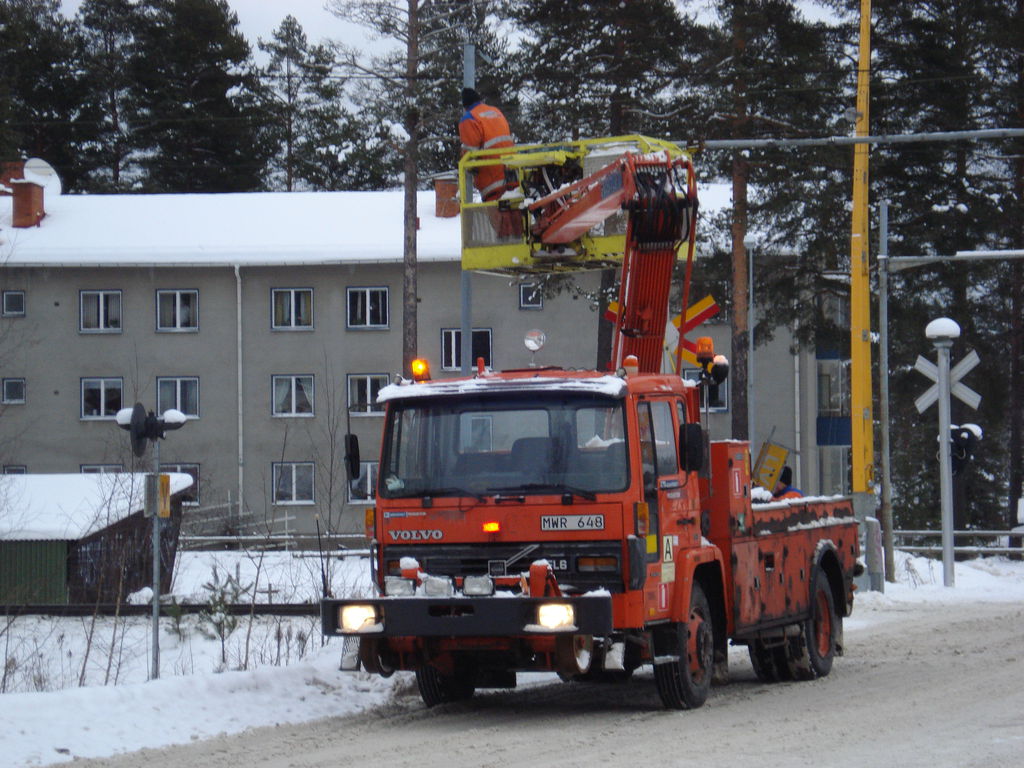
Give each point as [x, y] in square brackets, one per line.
[102, 720]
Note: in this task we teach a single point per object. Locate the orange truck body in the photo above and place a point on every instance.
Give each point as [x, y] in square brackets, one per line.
[631, 521]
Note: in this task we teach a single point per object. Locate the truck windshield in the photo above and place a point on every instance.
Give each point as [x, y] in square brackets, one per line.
[557, 443]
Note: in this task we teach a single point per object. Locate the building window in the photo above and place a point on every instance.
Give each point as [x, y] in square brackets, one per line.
[293, 308]
[363, 489]
[14, 391]
[530, 296]
[100, 312]
[833, 392]
[102, 469]
[179, 392]
[293, 482]
[177, 310]
[451, 347]
[190, 496]
[293, 395]
[15, 469]
[14, 304]
[362, 392]
[715, 397]
[101, 398]
[368, 308]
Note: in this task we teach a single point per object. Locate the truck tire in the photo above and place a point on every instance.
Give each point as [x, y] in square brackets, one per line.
[684, 679]
[438, 688]
[573, 655]
[372, 660]
[822, 627]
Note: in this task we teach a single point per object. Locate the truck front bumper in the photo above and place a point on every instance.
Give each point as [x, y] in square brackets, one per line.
[468, 616]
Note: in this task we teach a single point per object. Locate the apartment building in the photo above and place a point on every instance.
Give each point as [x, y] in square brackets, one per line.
[271, 320]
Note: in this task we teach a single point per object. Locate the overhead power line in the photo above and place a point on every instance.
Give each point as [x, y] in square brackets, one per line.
[989, 134]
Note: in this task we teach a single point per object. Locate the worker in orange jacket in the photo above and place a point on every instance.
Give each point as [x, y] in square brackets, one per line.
[485, 127]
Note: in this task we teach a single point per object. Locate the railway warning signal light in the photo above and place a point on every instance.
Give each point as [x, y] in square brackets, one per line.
[705, 351]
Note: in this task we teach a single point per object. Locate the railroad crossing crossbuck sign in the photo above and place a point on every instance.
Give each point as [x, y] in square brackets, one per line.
[956, 387]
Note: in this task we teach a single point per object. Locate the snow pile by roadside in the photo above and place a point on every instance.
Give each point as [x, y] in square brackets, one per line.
[191, 701]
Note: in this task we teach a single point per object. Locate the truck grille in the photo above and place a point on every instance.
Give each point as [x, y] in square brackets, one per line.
[578, 566]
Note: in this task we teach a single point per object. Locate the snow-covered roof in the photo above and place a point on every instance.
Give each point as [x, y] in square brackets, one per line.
[69, 507]
[248, 229]
[251, 229]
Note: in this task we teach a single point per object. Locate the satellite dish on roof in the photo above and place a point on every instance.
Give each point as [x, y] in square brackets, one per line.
[43, 174]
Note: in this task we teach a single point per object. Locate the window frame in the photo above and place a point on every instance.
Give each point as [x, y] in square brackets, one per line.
[369, 471]
[5, 312]
[178, 380]
[100, 469]
[366, 290]
[528, 306]
[372, 408]
[294, 325]
[177, 293]
[193, 491]
[104, 381]
[292, 466]
[15, 469]
[448, 349]
[101, 312]
[4, 399]
[292, 413]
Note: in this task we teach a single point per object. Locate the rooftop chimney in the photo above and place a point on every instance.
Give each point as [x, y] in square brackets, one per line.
[28, 203]
[446, 198]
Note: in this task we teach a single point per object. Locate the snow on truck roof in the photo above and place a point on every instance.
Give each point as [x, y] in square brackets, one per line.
[550, 380]
[595, 384]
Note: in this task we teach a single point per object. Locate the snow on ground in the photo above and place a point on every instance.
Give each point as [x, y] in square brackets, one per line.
[289, 676]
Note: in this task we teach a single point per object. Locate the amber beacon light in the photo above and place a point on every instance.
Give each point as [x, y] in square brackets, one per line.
[420, 370]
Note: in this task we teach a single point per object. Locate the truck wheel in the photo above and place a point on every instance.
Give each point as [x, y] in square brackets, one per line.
[762, 659]
[822, 627]
[438, 688]
[372, 660]
[684, 681]
[573, 655]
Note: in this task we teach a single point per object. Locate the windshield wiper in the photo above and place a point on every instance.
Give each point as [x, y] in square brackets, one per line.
[450, 490]
[554, 487]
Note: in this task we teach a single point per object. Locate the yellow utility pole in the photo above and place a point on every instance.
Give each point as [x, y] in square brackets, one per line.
[862, 438]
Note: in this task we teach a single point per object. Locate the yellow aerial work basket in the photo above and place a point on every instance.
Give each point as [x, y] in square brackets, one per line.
[502, 235]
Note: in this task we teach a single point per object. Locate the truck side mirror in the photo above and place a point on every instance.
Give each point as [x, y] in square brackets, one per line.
[691, 447]
[352, 456]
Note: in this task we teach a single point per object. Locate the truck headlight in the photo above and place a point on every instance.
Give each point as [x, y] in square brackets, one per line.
[478, 586]
[556, 616]
[437, 586]
[396, 586]
[356, 618]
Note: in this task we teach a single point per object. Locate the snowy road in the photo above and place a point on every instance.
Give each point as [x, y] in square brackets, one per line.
[928, 686]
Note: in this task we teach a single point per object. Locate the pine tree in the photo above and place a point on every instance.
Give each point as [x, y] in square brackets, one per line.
[200, 126]
[596, 68]
[937, 67]
[761, 69]
[314, 131]
[108, 27]
[43, 104]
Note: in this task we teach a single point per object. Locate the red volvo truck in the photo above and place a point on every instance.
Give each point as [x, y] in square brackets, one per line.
[581, 521]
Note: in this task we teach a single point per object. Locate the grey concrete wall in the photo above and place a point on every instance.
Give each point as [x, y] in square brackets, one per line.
[47, 349]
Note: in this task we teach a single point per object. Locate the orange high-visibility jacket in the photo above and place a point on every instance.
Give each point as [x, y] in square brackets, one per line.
[485, 127]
